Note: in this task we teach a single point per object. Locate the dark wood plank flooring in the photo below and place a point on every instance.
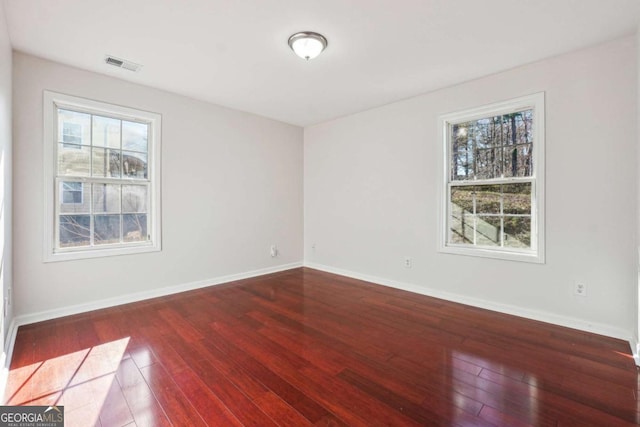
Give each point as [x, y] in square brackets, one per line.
[303, 347]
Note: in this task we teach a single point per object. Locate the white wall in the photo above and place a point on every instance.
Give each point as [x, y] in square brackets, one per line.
[371, 194]
[636, 348]
[5, 169]
[231, 186]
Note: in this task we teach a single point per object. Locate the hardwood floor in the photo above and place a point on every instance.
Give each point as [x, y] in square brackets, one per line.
[303, 348]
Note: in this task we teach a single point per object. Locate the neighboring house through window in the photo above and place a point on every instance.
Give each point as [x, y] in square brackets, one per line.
[71, 192]
[71, 135]
[494, 180]
[102, 172]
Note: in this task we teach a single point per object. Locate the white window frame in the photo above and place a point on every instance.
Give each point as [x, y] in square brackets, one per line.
[537, 252]
[51, 102]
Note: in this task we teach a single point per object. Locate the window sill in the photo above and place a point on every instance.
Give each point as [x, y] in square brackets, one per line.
[505, 255]
[71, 255]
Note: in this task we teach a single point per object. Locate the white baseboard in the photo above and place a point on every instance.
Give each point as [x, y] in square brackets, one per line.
[10, 339]
[635, 350]
[26, 319]
[542, 316]
[154, 293]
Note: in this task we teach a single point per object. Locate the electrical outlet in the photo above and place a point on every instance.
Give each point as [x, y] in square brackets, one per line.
[408, 262]
[274, 251]
[580, 289]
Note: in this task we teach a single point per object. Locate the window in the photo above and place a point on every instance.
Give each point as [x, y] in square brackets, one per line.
[102, 176]
[71, 135]
[71, 192]
[493, 180]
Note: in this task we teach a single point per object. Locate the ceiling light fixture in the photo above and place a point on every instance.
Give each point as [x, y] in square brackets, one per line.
[307, 44]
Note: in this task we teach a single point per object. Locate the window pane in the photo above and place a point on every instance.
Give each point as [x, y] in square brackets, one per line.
[71, 133]
[74, 128]
[106, 162]
[134, 165]
[488, 163]
[461, 225]
[106, 132]
[487, 199]
[488, 230]
[463, 155]
[102, 192]
[134, 136]
[524, 128]
[517, 232]
[462, 198]
[517, 198]
[74, 230]
[107, 229]
[492, 147]
[106, 198]
[517, 160]
[73, 197]
[463, 149]
[74, 160]
[486, 225]
[134, 198]
[135, 227]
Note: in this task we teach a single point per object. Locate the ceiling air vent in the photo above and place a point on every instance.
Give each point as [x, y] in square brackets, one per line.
[121, 63]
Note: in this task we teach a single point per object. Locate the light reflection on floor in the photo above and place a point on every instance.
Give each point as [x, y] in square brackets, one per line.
[80, 381]
[500, 380]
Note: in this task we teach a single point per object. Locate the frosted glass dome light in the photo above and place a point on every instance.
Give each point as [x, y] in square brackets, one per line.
[307, 45]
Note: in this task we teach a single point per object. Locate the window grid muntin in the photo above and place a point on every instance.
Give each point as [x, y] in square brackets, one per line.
[536, 102]
[90, 180]
[502, 215]
[451, 165]
[120, 149]
[452, 182]
[91, 214]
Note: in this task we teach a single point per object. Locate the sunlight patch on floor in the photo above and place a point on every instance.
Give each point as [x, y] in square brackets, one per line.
[80, 381]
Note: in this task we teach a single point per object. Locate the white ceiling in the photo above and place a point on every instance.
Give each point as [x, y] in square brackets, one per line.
[235, 53]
